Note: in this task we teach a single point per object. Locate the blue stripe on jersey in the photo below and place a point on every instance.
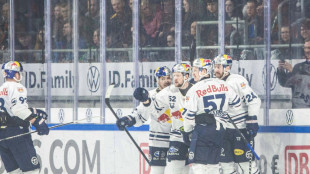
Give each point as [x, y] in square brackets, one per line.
[154, 139]
[175, 132]
[191, 115]
[240, 118]
[159, 136]
[234, 103]
[159, 132]
[157, 107]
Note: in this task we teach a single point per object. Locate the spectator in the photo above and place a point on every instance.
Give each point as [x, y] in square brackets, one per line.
[39, 45]
[285, 52]
[254, 23]
[96, 38]
[188, 19]
[119, 25]
[91, 20]
[151, 17]
[57, 23]
[25, 42]
[4, 26]
[66, 12]
[67, 44]
[169, 54]
[167, 23]
[212, 7]
[297, 78]
[305, 30]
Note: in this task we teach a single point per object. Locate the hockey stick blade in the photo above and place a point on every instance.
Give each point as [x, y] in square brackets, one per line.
[107, 102]
[243, 138]
[52, 127]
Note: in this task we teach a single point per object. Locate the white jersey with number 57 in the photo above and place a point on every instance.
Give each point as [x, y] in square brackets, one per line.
[209, 95]
[13, 99]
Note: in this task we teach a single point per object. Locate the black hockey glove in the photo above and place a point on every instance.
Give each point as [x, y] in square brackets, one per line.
[252, 125]
[187, 136]
[39, 123]
[141, 94]
[3, 118]
[127, 121]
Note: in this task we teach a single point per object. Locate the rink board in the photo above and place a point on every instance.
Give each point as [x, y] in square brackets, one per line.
[102, 149]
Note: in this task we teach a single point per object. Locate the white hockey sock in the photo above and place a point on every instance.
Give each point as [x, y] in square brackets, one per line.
[17, 171]
[177, 167]
[157, 169]
[228, 168]
[36, 171]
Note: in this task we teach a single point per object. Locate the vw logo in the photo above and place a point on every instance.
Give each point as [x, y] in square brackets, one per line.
[119, 113]
[289, 117]
[61, 115]
[93, 77]
[273, 77]
[89, 114]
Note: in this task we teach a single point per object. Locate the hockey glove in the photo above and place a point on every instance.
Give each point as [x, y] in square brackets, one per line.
[187, 136]
[3, 118]
[39, 123]
[127, 121]
[141, 94]
[252, 125]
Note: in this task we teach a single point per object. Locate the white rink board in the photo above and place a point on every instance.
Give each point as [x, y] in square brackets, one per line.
[279, 151]
[112, 152]
[97, 152]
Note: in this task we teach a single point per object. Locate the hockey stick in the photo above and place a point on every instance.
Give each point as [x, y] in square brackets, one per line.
[107, 102]
[52, 127]
[243, 137]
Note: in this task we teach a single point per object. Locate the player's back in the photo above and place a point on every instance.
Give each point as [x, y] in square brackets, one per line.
[212, 94]
[12, 93]
[240, 85]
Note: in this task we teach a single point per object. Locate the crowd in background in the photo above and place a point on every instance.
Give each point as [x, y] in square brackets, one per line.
[157, 29]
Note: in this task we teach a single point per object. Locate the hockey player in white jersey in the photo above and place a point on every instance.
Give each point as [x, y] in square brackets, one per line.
[202, 130]
[160, 126]
[18, 154]
[245, 119]
[173, 97]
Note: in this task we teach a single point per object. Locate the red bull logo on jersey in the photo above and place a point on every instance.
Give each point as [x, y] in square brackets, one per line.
[178, 114]
[4, 92]
[210, 89]
[165, 117]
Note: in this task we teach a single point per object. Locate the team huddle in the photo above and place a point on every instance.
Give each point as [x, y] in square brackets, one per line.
[198, 121]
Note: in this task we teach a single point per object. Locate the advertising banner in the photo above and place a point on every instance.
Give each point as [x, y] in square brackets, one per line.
[122, 74]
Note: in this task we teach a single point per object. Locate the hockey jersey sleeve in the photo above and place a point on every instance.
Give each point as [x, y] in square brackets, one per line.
[141, 114]
[249, 97]
[160, 102]
[191, 107]
[18, 102]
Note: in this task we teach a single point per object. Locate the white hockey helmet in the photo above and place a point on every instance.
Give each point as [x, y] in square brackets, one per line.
[183, 68]
[223, 59]
[9, 70]
[203, 64]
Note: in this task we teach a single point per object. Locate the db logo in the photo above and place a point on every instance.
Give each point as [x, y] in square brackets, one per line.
[144, 166]
[297, 159]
